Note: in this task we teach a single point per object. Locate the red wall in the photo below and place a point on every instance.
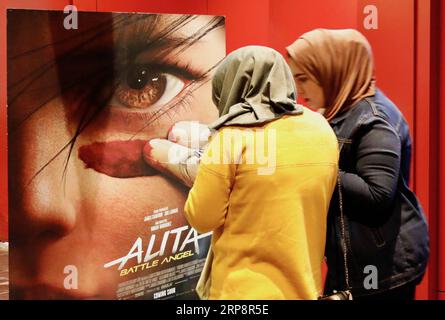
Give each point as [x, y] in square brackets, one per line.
[441, 217]
[404, 65]
[426, 139]
[154, 6]
[247, 21]
[393, 47]
[290, 19]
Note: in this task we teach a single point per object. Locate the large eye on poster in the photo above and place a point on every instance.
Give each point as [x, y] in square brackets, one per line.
[89, 219]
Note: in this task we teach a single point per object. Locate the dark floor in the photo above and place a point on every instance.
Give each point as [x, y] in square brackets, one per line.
[4, 292]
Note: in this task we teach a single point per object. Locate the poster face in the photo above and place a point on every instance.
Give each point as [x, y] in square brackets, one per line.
[89, 219]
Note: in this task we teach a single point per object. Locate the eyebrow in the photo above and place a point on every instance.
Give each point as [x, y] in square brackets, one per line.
[139, 34]
[143, 36]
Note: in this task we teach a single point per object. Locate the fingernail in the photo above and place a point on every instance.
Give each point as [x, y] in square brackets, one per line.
[146, 150]
[154, 143]
[149, 146]
[171, 135]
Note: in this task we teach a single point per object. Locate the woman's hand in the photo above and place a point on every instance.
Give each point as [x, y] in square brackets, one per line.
[178, 156]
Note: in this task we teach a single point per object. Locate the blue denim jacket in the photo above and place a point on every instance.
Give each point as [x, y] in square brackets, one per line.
[384, 223]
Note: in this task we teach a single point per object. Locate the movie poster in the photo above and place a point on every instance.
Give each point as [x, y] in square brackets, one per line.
[88, 218]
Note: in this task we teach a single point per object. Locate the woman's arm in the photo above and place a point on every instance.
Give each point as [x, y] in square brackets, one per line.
[373, 187]
[208, 200]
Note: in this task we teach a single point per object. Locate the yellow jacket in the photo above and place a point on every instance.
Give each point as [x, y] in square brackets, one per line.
[265, 193]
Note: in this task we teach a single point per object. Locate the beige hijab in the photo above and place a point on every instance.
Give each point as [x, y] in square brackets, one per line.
[252, 86]
[341, 62]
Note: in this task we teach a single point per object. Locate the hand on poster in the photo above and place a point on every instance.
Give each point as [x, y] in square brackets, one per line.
[180, 153]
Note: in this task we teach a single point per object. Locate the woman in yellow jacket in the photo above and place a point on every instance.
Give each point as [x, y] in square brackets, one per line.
[264, 184]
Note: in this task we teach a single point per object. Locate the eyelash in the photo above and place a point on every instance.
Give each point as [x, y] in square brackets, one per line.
[171, 67]
[175, 68]
[176, 106]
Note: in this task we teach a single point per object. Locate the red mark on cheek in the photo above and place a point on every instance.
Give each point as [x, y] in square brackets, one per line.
[119, 159]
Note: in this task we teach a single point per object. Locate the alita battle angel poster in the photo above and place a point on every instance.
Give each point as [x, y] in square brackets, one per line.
[88, 217]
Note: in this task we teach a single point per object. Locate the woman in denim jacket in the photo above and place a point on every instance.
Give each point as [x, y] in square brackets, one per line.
[387, 244]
